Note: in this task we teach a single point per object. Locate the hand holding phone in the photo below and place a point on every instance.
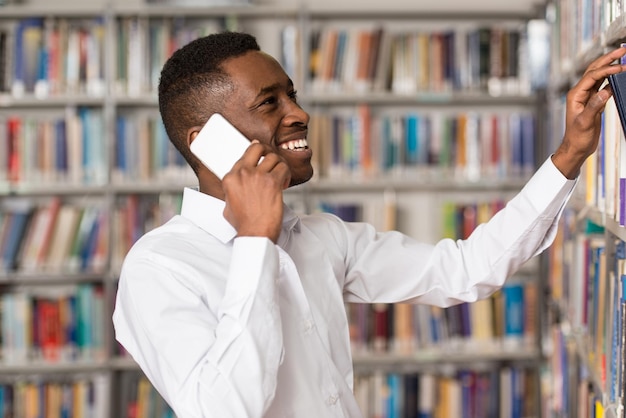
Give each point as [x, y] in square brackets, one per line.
[219, 145]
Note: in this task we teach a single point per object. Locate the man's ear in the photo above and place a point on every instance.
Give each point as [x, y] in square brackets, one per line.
[192, 133]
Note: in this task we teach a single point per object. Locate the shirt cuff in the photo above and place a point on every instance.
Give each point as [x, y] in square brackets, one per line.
[548, 185]
[254, 262]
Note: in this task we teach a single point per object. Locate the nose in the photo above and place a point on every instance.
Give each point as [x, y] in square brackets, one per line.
[295, 115]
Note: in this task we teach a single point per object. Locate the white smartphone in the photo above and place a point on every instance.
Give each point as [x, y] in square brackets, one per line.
[219, 145]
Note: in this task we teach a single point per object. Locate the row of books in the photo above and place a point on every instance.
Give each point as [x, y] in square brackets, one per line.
[144, 44]
[134, 215]
[45, 56]
[507, 392]
[588, 283]
[66, 326]
[381, 214]
[81, 397]
[465, 146]
[49, 56]
[143, 152]
[505, 320]
[53, 237]
[587, 265]
[605, 171]
[70, 148]
[52, 56]
[458, 219]
[468, 146]
[140, 399]
[492, 58]
[68, 237]
[579, 24]
[573, 389]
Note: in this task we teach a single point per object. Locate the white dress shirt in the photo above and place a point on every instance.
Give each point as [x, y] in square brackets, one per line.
[240, 327]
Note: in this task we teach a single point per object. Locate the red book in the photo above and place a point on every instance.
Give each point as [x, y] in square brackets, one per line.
[49, 329]
[14, 125]
[380, 321]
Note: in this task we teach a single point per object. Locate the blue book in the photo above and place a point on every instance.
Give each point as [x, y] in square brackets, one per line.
[84, 322]
[468, 392]
[394, 401]
[351, 142]
[25, 55]
[340, 55]
[336, 142]
[71, 327]
[513, 312]
[17, 226]
[60, 136]
[389, 152]
[3, 412]
[411, 140]
[411, 388]
[120, 144]
[618, 85]
[90, 244]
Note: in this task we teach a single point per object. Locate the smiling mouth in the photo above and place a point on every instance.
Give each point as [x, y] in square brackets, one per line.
[295, 145]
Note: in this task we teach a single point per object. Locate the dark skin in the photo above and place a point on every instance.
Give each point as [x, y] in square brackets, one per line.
[263, 106]
[583, 114]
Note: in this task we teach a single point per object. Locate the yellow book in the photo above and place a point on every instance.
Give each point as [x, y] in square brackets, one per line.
[79, 394]
[599, 413]
[481, 314]
[143, 398]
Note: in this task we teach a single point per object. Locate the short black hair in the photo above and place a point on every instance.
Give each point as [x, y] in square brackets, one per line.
[191, 75]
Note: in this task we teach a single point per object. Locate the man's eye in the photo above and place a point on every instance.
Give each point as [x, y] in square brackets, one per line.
[269, 101]
[294, 95]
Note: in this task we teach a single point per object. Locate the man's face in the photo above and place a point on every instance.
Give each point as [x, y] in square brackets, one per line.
[263, 106]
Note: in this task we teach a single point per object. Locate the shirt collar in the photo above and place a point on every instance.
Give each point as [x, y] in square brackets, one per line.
[207, 212]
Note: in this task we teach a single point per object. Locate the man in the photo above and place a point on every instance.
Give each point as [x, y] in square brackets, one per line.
[235, 308]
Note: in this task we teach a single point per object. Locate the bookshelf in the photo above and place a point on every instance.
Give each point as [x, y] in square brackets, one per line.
[106, 113]
[586, 293]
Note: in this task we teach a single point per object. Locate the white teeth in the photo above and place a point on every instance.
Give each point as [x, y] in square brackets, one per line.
[295, 144]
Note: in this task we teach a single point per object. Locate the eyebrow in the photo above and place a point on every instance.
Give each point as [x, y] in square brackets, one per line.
[272, 87]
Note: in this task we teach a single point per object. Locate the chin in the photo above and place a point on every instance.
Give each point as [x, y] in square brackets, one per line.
[300, 179]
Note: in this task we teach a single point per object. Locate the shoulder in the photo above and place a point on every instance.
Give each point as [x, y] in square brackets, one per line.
[171, 244]
[323, 223]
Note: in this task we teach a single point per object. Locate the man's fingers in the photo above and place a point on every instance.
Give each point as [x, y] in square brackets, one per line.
[606, 59]
[593, 79]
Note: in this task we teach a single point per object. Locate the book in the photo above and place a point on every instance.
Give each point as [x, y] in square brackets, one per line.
[622, 341]
[38, 243]
[17, 223]
[513, 314]
[618, 85]
[64, 234]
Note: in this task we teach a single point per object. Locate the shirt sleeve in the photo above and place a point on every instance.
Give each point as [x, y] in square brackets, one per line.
[391, 267]
[223, 362]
